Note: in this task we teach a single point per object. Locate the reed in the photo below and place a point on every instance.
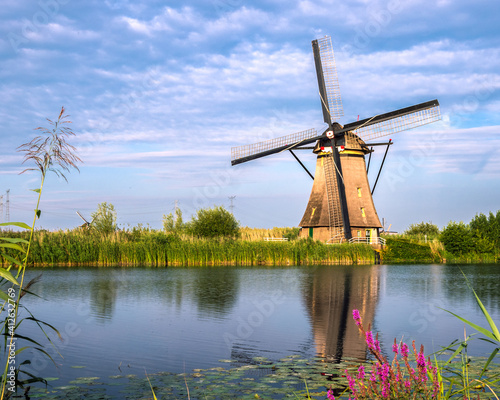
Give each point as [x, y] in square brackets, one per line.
[155, 248]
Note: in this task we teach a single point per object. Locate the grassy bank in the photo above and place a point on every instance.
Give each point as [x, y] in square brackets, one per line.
[155, 248]
[415, 249]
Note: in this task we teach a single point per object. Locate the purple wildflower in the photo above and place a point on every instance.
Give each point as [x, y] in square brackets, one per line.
[404, 350]
[385, 372]
[352, 382]
[385, 391]
[357, 317]
[421, 360]
[361, 372]
[395, 348]
[369, 339]
[330, 395]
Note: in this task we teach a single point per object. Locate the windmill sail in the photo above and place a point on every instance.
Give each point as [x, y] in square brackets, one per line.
[328, 82]
[396, 121]
[249, 152]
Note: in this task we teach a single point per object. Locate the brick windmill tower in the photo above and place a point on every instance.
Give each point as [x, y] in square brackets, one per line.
[340, 206]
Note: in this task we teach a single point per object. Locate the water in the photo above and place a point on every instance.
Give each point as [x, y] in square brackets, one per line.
[131, 320]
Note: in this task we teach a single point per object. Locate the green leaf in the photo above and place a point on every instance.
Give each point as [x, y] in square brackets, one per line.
[478, 328]
[36, 190]
[18, 224]
[492, 356]
[11, 259]
[38, 213]
[4, 296]
[12, 246]
[491, 323]
[14, 240]
[7, 275]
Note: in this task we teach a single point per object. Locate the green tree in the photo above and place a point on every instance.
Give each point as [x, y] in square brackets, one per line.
[104, 218]
[168, 223]
[174, 223]
[457, 238]
[423, 228]
[214, 222]
[486, 230]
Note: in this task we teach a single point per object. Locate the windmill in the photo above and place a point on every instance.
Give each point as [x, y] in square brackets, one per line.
[340, 205]
[86, 224]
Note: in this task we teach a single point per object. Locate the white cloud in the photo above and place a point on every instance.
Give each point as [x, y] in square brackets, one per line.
[470, 151]
[167, 21]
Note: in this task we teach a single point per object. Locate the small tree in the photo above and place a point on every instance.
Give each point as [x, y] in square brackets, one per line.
[168, 223]
[174, 224]
[104, 218]
[214, 222]
[423, 228]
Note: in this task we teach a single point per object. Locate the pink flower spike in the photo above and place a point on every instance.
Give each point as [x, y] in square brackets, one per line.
[330, 395]
[357, 317]
[404, 350]
[361, 372]
[395, 348]
[421, 360]
[369, 339]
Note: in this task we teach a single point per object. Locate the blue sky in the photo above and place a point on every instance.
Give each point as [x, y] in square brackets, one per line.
[159, 92]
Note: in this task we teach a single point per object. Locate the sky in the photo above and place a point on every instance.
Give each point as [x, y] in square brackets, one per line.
[159, 91]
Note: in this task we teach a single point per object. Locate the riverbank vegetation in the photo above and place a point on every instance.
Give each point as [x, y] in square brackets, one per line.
[475, 242]
[143, 246]
[213, 237]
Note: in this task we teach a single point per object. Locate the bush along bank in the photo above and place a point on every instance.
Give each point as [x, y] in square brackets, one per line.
[400, 250]
[152, 248]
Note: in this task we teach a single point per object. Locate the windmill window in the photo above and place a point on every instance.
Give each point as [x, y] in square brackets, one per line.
[359, 192]
[359, 233]
[363, 212]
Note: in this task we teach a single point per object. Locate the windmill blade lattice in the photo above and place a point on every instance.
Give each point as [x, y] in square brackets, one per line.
[396, 121]
[249, 152]
[330, 78]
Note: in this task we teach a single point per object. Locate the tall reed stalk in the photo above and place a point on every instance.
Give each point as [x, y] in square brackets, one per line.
[49, 152]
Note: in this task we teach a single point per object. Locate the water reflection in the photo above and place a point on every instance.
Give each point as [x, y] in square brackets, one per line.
[215, 291]
[480, 278]
[330, 296]
[103, 298]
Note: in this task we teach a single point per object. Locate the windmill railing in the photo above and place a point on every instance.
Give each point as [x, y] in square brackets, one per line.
[274, 239]
[368, 240]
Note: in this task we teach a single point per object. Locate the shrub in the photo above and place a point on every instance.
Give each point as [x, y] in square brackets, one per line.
[457, 238]
[214, 222]
[104, 218]
[423, 228]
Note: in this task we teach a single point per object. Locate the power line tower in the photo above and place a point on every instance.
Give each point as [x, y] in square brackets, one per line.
[231, 207]
[7, 210]
[1, 208]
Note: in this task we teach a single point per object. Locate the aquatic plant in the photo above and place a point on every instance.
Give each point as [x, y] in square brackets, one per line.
[461, 377]
[411, 375]
[403, 378]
